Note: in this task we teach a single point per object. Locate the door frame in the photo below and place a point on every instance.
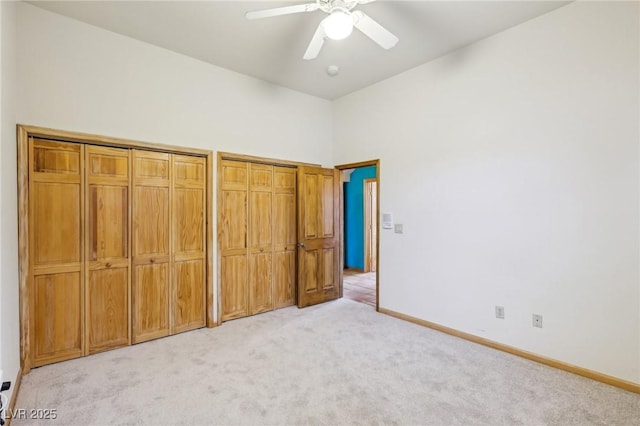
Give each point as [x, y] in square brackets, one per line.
[24, 132]
[368, 220]
[342, 167]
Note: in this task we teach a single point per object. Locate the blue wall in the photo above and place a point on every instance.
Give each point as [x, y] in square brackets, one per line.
[354, 217]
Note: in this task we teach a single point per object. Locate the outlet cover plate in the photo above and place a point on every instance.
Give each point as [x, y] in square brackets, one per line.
[500, 312]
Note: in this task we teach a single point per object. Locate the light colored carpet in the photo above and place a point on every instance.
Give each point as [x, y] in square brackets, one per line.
[335, 364]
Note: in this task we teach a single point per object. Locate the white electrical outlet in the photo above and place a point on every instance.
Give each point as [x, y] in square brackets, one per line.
[398, 228]
[500, 312]
[537, 320]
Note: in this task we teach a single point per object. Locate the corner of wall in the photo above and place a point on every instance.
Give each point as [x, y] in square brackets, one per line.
[9, 314]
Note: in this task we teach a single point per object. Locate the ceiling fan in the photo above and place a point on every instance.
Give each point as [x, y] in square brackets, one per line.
[337, 26]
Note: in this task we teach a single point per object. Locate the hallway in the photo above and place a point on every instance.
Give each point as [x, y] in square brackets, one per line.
[360, 287]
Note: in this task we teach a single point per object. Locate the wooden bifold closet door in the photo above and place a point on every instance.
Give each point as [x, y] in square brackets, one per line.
[151, 244]
[117, 247]
[261, 225]
[188, 292]
[107, 248]
[169, 255]
[284, 236]
[234, 248]
[56, 214]
[258, 237]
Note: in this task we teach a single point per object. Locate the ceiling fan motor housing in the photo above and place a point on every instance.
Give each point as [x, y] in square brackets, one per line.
[329, 6]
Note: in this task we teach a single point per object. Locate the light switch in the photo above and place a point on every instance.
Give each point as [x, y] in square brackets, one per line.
[387, 220]
[398, 228]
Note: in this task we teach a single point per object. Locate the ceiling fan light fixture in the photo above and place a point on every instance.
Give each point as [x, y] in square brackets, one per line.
[338, 25]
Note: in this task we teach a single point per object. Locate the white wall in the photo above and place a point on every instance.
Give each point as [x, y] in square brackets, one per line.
[9, 308]
[76, 77]
[514, 166]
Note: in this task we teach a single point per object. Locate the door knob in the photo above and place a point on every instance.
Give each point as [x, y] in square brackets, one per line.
[301, 245]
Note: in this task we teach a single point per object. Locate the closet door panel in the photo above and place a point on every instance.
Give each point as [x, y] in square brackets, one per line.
[151, 245]
[189, 170]
[261, 282]
[188, 303]
[110, 163]
[260, 238]
[188, 299]
[285, 220]
[151, 167]
[55, 158]
[234, 245]
[235, 292]
[261, 177]
[284, 278]
[108, 308]
[58, 315]
[108, 248]
[151, 220]
[56, 213]
[151, 297]
[234, 220]
[108, 211]
[261, 207]
[234, 175]
[56, 247]
[189, 221]
[284, 237]
[261, 225]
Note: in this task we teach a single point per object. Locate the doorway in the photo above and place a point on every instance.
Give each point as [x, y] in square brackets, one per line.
[359, 200]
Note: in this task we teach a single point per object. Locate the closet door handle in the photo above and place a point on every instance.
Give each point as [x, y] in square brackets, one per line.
[302, 245]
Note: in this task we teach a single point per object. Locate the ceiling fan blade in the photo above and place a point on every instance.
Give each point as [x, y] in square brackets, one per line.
[286, 10]
[373, 30]
[365, 1]
[316, 44]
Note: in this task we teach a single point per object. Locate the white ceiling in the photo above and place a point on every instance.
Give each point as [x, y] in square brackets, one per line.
[271, 49]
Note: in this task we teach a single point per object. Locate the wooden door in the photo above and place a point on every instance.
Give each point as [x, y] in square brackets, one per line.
[370, 224]
[56, 211]
[233, 207]
[188, 302]
[107, 284]
[318, 238]
[260, 238]
[284, 264]
[151, 245]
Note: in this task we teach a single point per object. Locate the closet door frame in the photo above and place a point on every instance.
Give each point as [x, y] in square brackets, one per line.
[24, 132]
